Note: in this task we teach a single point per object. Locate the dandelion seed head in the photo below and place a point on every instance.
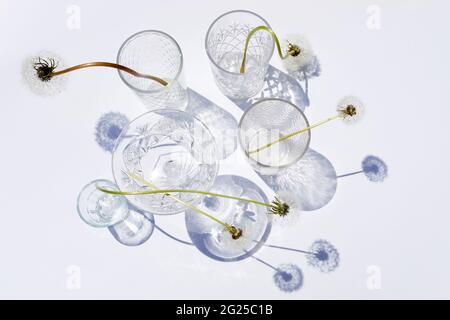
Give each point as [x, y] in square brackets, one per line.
[50, 87]
[108, 129]
[285, 210]
[374, 168]
[308, 71]
[299, 52]
[288, 278]
[324, 256]
[351, 109]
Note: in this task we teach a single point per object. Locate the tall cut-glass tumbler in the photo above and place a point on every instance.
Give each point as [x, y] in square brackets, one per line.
[225, 42]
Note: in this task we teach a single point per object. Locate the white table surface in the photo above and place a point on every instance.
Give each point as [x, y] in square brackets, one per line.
[401, 72]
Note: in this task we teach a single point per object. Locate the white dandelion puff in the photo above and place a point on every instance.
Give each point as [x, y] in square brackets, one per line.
[291, 200]
[351, 109]
[286, 209]
[310, 70]
[299, 53]
[51, 87]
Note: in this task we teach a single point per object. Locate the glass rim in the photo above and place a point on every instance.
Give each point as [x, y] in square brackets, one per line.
[217, 19]
[123, 133]
[246, 151]
[134, 35]
[90, 223]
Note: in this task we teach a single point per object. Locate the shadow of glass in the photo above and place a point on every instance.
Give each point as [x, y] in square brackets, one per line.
[220, 122]
[135, 229]
[312, 180]
[277, 84]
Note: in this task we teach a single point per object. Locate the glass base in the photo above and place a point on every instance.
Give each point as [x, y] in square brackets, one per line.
[212, 239]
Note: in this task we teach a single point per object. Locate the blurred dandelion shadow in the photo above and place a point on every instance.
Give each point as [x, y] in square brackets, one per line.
[375, 169]
[287, 277]
[220, 122]
[313, 179]
[108, 129]
[325, 257]
[277, 84]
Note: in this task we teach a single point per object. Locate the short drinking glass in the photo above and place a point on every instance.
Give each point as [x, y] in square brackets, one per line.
[266, 122]
[155, 53]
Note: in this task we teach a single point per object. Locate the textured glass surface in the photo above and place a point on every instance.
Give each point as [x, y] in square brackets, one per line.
[158, 54]
[280, 85]
[267, 121]
[225, 41]
[312, 179]
[212, 239]
[170, 149]
[135, 229]
[100, 209]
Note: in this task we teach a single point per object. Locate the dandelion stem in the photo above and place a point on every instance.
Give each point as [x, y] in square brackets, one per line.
[294, 134]
[227, 226]
[109, 65]
[247, 41]
[167, 191]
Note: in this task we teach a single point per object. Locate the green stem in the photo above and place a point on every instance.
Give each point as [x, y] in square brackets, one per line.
[247, 41]
[229, 228]
[294, 134]
[167, 191]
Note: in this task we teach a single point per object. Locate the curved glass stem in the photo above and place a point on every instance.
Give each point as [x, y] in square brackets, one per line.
[294, 134]
[247, 41]
[227, 226]
[109, 65]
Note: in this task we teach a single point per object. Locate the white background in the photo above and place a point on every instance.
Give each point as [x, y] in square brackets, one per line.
[48, 152]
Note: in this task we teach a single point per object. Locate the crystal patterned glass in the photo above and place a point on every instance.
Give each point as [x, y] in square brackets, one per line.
[99, 209]
[224, 43]
[155, 53]
[165, 149]
[267, 121]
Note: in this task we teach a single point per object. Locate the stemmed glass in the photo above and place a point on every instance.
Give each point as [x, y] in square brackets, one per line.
[165, 149]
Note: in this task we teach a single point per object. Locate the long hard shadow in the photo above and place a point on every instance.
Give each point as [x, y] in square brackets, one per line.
[220, 122]
[277, 84]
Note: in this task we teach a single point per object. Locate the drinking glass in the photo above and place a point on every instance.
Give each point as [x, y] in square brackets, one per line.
[165, 149]
[214, 240]
[155, 53]
[224, 43]
[267, 121]
[99, 209]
